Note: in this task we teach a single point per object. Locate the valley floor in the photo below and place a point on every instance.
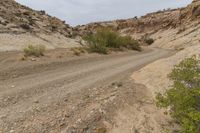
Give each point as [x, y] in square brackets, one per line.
[90, 94]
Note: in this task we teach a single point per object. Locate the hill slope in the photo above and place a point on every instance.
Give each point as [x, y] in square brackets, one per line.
[21, 26]
[172, 29]
[184, 38]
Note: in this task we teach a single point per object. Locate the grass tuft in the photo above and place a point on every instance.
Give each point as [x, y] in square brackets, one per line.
[37, 50]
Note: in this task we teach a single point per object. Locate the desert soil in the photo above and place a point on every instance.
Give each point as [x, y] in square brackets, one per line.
[89, 94]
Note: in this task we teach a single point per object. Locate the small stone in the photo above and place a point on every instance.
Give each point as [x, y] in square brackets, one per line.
[67, 115]
[62, 124]
[120, 84]
[3, 116]
[113, 84]
[66, 100]
[5, 100]
[78, 121]
[14, 76]
[33, 59]
[12, 131]
[36, 101]
[12, 86]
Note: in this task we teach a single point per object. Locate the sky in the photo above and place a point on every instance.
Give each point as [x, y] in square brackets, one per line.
[77, 12]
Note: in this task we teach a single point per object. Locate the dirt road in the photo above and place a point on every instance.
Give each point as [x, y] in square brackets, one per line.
[67, 95]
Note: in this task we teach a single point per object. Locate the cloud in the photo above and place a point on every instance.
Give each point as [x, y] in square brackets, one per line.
[84, 11]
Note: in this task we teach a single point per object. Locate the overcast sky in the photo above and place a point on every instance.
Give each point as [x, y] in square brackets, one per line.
[85, 11]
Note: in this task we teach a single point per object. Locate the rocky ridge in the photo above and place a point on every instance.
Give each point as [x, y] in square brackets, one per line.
[16, 18]
[21, 26]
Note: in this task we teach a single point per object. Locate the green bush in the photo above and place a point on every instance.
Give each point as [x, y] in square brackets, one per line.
[129, 43]
[37, 50]
[149, 41]
[96, 43]
[104, 39]
[183, 97]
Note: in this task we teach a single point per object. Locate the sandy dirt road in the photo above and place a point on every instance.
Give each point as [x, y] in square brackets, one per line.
[68, 95]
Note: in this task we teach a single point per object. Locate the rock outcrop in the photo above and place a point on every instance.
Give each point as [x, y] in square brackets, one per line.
[21, 26]
[16, 18]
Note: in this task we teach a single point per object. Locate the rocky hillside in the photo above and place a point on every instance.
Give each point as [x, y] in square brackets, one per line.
[20, 26]
[184, 37]
[166, 27]
[16, 18]
[151, 21]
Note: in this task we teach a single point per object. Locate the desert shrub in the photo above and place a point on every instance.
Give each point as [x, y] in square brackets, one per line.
[37, 50]
[105, 38]
[97, 45]
[149, 41]
[78, 51]
[129, 43]
[96, 42]
[183, 98]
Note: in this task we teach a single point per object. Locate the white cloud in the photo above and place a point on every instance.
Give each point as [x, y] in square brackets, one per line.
[85, 11]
